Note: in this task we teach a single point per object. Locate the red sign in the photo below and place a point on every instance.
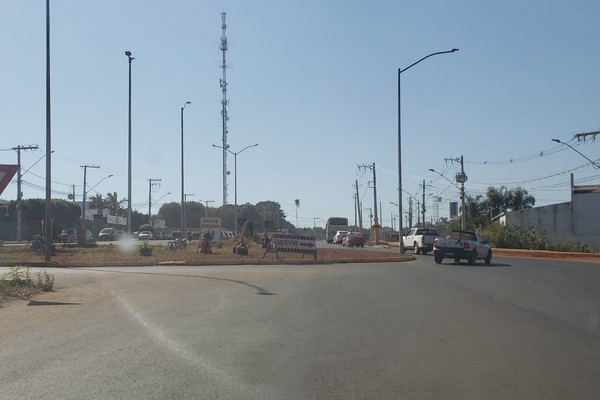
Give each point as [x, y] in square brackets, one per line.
[6, 174]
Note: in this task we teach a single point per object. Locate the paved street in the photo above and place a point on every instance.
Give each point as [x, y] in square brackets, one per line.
[519, 329]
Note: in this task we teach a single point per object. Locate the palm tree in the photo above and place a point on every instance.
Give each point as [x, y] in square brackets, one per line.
[97, 202]
[297, 201]
[113, 203]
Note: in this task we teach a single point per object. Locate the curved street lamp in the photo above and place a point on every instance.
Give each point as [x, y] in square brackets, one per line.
[400, 71]
[595, 164]
[235, 176]
[182, 169]
[130, 58]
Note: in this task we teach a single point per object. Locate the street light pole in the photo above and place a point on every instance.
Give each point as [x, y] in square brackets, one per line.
[130, 58]
[235, 178]
[81, 232]
[400, 71]
[182, 172]
[184, 213]
[595, 164]
[48, 200]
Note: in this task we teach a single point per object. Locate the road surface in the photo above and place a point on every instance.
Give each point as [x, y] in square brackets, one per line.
[519, 329]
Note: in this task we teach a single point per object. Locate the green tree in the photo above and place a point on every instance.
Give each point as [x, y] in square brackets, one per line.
[171, 213]
[97, 202]
[480, 210]
[114, 204]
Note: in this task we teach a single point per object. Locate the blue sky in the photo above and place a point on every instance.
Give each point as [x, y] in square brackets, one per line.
[315, 85]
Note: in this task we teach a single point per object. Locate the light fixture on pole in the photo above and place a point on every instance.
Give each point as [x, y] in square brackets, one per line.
[235, 177]
[182, 172]
[81, 231]
[595, 164]
[48, 201]
[184, 213]
[400, 71]
[130, 58]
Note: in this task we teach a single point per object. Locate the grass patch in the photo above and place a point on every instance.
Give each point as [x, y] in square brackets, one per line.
[18, 282]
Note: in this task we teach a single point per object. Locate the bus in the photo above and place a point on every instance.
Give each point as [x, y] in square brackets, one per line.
[333, 225]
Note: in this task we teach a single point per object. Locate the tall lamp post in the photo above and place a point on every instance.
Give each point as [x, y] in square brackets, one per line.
[48, 200]
[595, 164]
[183, 225]
[235, 177]
[182, 172]
[130, 58]
[81, 232]
[400, 71]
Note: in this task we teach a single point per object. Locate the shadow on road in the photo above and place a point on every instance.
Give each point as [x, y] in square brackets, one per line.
[259, 290]
[478, 265]
[50, 303]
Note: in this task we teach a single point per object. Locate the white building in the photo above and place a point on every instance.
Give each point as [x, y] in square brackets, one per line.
[577, 220]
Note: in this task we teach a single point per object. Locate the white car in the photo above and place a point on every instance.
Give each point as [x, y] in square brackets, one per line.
[145, 235]
[339, 235]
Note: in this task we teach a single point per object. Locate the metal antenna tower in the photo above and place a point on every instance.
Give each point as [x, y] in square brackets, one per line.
[224, 102]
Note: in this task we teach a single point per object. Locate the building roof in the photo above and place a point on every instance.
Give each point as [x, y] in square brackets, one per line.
[586, 189]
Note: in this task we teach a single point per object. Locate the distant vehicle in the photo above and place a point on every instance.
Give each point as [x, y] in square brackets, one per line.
[359, 240]
[69, 235]
[420, 239]
[333, 225]
[107, 234]
[120, 234]
[145, 235]
[461, 245]
[339, 235]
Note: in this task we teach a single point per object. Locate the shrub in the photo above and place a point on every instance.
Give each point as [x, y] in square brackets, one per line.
[18, 282]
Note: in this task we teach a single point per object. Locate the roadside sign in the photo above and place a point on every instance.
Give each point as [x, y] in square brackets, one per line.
[6, 174]
[293, 244]
[212, 226]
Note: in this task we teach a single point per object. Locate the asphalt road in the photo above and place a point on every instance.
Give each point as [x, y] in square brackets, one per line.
[519, 329]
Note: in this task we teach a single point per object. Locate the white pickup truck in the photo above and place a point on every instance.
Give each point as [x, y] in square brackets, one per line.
[462, 245]
[420, 239]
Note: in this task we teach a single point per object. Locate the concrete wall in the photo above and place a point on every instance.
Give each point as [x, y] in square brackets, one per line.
[578, 220]
[586, 220]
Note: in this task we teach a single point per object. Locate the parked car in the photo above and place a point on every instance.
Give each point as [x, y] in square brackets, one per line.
[120, 234]
[359, 240]
[69, 235]
[107, 234]
[145, 235]
[339, 235]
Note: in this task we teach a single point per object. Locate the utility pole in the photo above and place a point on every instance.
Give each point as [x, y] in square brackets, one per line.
[355, 212]
[410, 212]
[223, 82]
[358, 207]
[423, 204]
[206, 202]
[315, 223]
[81, 236]
[370, 214]
[152, 183]
[461, 178]
[19, 191]
[584, 136]
[375, 225]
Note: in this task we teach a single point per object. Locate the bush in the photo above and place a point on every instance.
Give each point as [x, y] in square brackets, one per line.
[512, 237]
[18, 282]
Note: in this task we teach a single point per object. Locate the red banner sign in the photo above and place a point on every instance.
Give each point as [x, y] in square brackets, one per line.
[6, 174]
